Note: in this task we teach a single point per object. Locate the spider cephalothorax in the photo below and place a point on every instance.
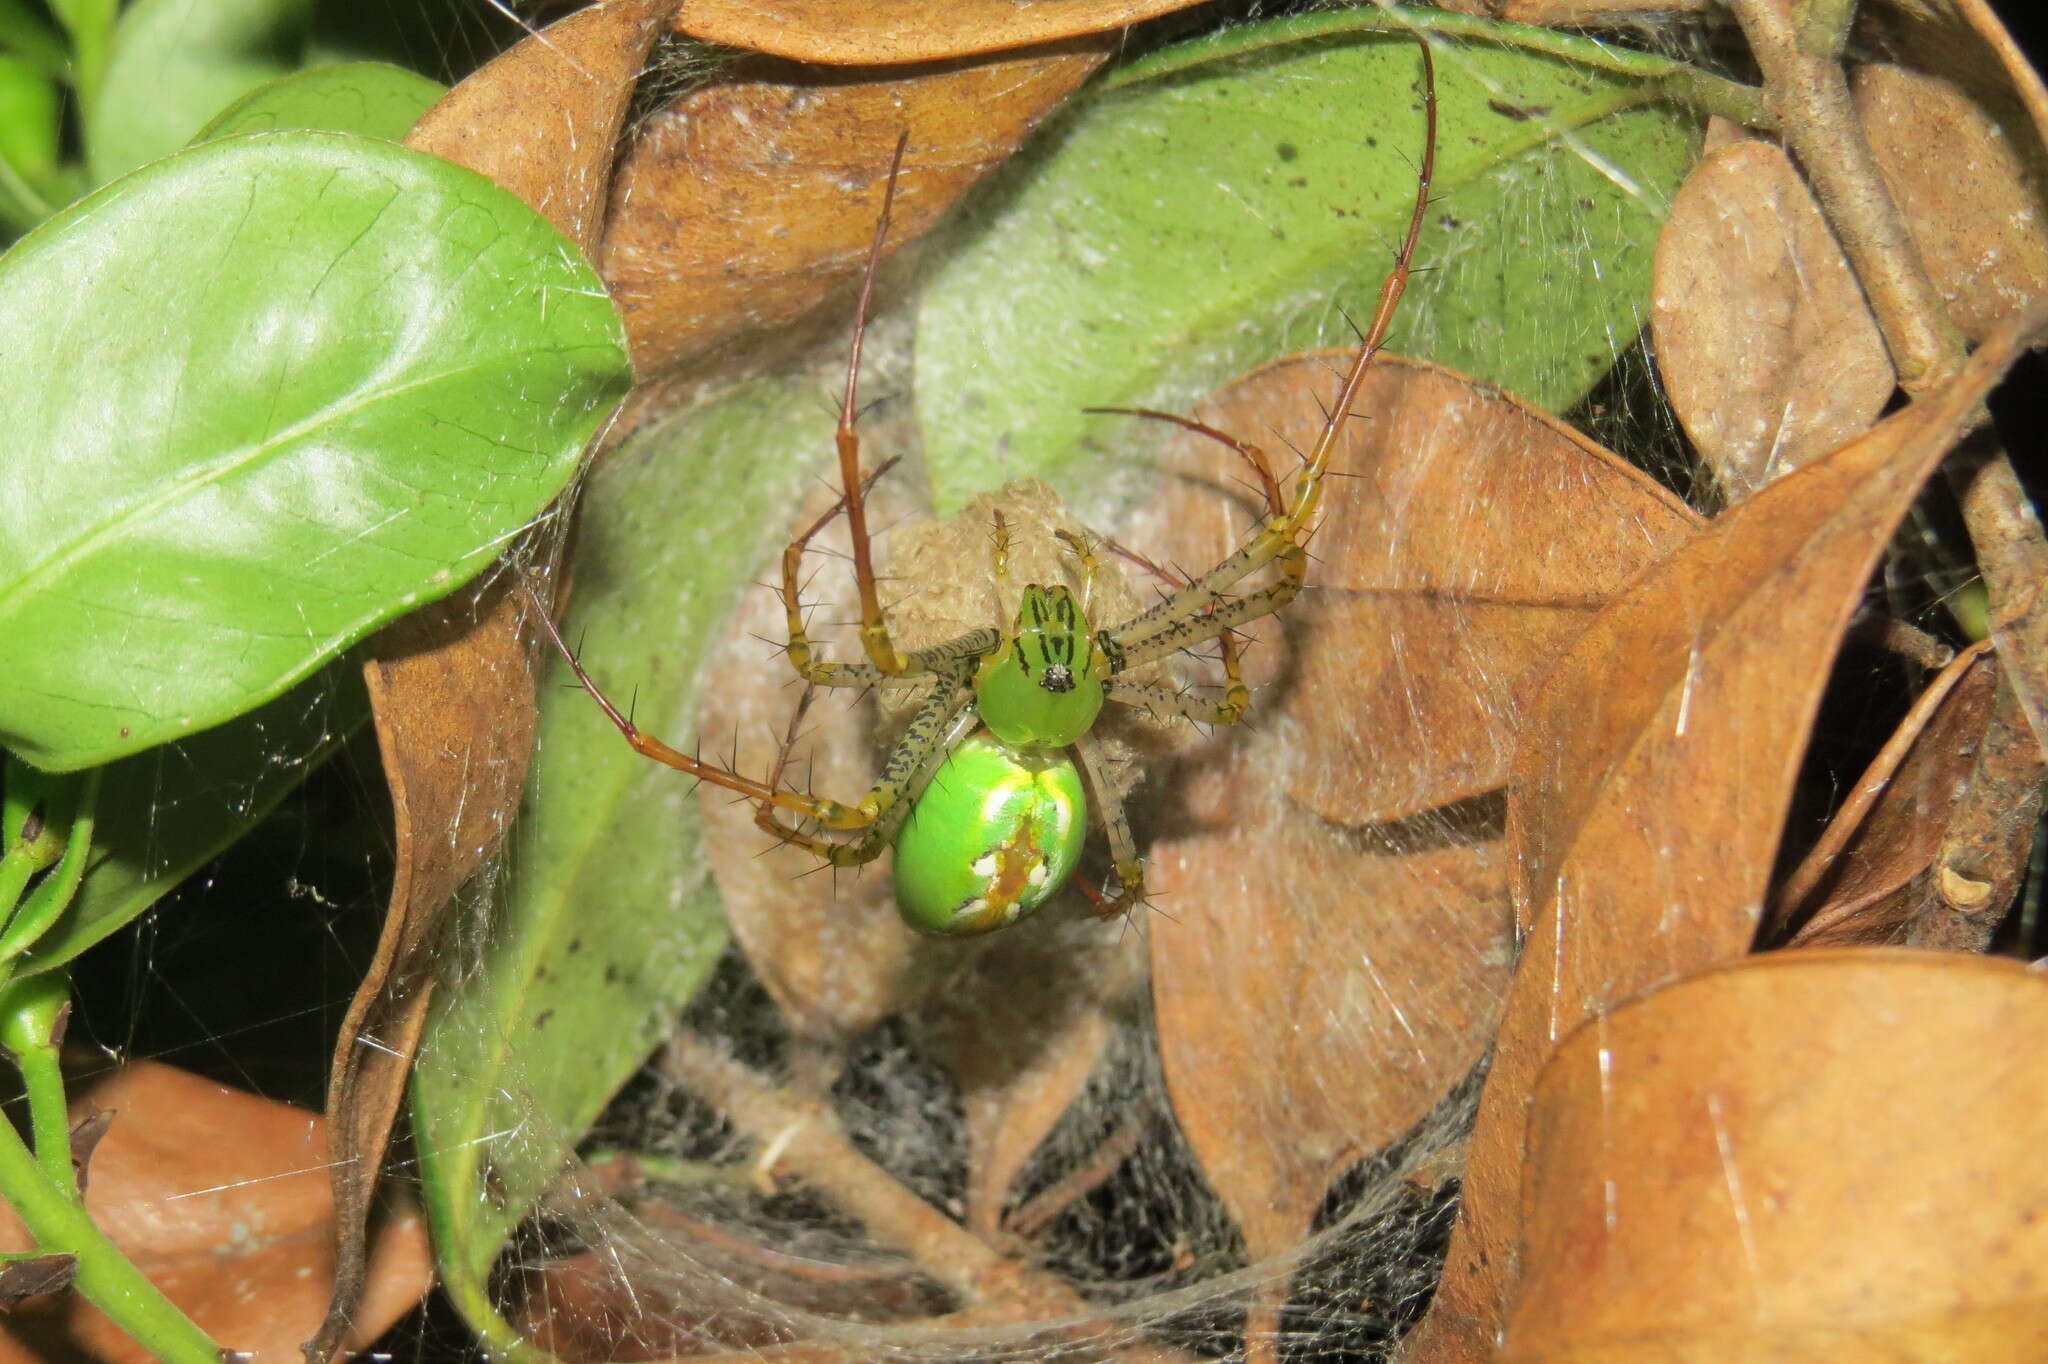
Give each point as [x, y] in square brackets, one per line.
[982, 796]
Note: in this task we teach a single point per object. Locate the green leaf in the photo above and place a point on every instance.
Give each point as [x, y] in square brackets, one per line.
[27, 35]
[28, 119]
[28, 141]
[263, 397]
[177, 63]
[610, 921]
[166, 813]
[375, 99]
[90, 23]
[1175, 231]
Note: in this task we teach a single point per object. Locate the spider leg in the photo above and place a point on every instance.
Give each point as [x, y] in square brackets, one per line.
[828, 814]
[874, 625]
[1278, 539]
[1164, 701]
[946, 717]
[1123, 849]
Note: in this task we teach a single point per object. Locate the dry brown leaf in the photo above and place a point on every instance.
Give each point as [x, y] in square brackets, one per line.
[1339, 1028]
[543, 119]
[1965, 41]
[626, 1302]
[1766, 347]
[1857, 886]
[1974, 210]
[1653, 779]
[452, 686]
[1471, 537]
[1020, 1031]
[1316, 994]
[222, 1199]
[892, 32]
[748, 200]
[1802, 1158]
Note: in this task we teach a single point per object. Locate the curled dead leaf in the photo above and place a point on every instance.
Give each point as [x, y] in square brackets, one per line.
[452, 685]
[805, 150]
[1654, 775]
[1971, 201]
[1766, 347]
[1763, 1162]
[222, 1199]
[895, 32]
[1856, 887]
[1470, 538]
[1021, 1031]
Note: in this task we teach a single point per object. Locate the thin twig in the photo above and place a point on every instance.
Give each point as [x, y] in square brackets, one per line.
[1042, 1208]
[814, 1149]
[1818, 122]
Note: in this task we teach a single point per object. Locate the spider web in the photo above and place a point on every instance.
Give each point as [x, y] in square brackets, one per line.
[686, 1228]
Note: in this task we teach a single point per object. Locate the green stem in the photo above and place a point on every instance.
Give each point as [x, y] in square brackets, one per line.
[32, 1015]
[1672, 80]
[106, 1276]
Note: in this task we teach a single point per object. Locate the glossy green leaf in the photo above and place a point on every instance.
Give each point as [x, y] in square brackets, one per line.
[610, 921]
[1176, 231]
[375, 99]
[177, 63]
[263, 397]
[166, 813]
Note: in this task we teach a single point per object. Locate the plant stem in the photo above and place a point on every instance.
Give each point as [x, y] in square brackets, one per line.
[1672, 80]
[107, 1277]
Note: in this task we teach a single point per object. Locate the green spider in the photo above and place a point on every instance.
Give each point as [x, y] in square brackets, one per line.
[982, 796]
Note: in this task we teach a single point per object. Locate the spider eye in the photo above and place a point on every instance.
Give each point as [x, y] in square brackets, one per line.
[1057, 678]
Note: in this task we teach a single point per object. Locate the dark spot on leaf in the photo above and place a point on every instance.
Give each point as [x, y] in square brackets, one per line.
[540, 1020]
[1286, 151]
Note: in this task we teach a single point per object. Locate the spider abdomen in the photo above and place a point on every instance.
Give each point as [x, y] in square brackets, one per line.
[995, 834]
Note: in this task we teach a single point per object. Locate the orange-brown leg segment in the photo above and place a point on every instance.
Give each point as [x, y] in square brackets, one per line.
[1200, 611]
[874, 627]
[828, 814]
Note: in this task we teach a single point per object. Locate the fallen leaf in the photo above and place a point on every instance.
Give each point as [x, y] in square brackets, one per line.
[1856, 887]
[222, 1199]
[807, 150]
[1964, 41]
[1765, 1161]
[452, 687]
[1653, 779]
[31, 1276]
[1469, 538]
[1362, 979]
[1021, 1031]
[1966, 189]
[629, 1303]
[544, 118]
[1766, 347]
[1316, 994]
[897, 32]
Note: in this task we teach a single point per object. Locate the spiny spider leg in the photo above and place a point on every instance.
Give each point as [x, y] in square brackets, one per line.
[828, 814]
[942, 720]
[874, 626]
[1162, 700]
[1199, 611]
[1123, 849]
